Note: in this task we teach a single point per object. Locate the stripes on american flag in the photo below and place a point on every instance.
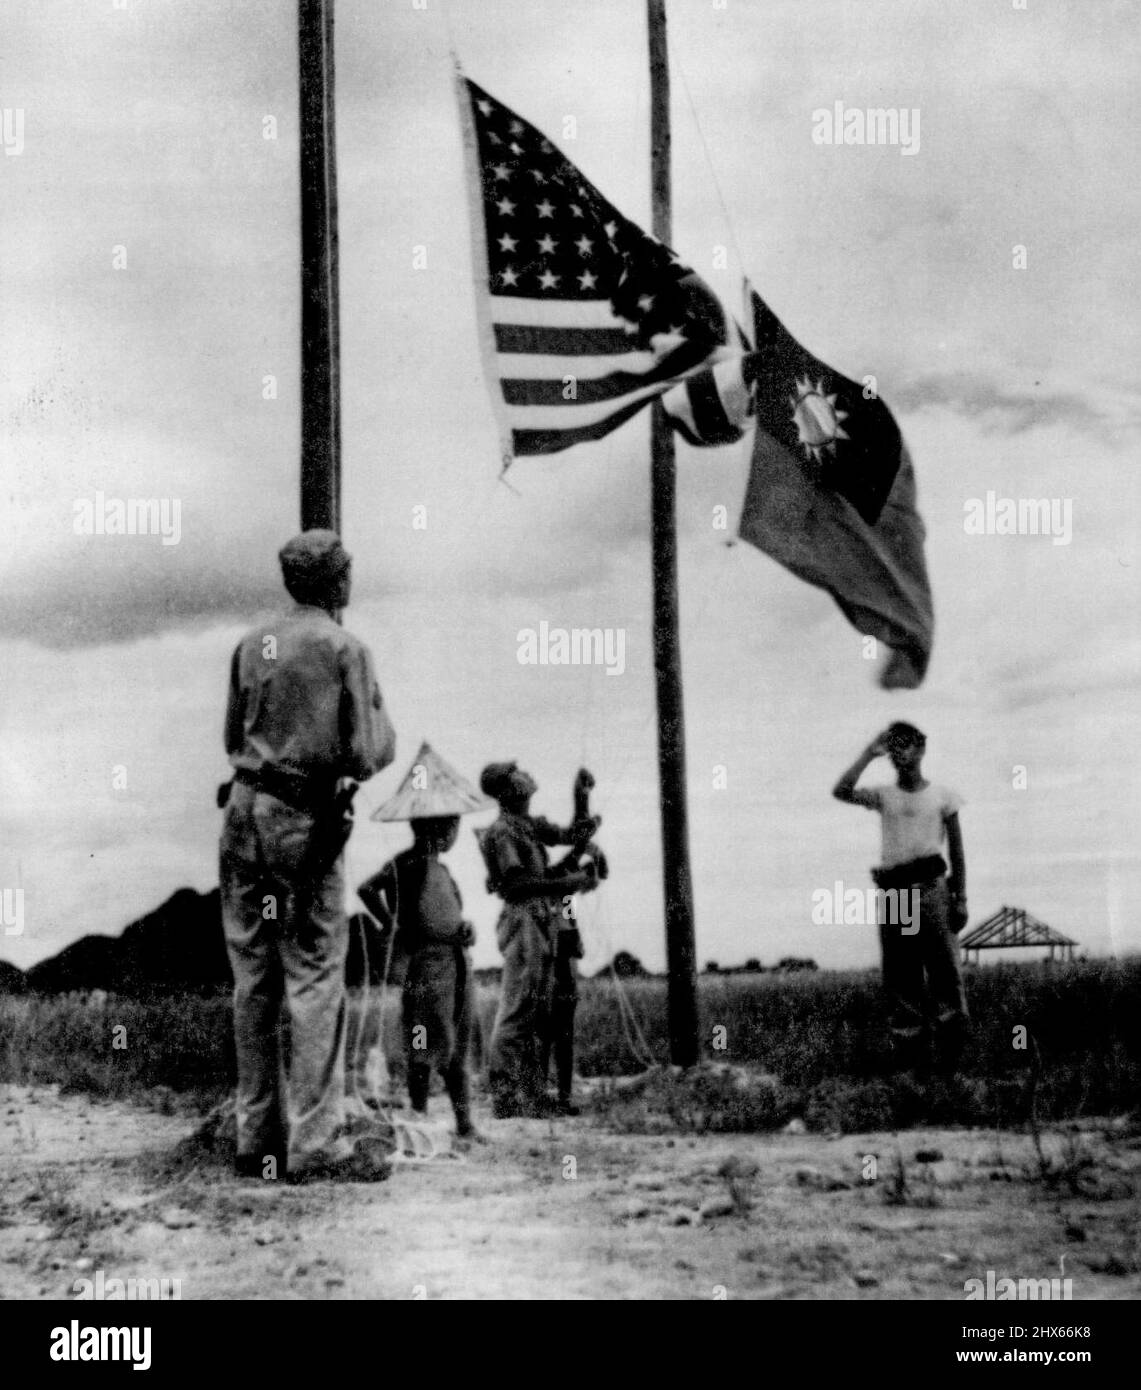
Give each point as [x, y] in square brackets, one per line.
[713, 405]
[583, 317]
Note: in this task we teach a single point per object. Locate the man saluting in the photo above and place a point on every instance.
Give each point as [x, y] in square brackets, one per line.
[304, 712]
[916, 818]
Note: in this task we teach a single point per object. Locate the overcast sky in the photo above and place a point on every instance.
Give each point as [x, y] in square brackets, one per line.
[144, 129]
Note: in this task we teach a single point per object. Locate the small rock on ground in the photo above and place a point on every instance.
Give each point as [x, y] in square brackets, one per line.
[816, 1181]
[737, 1167]
[178, 1219]
[632, 1210]
[714, 1207]
[680, 1216]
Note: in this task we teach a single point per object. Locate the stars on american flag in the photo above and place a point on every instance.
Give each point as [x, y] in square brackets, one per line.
[568, 280]
[565, 241]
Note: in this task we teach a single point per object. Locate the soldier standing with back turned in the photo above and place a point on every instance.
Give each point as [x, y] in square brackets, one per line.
[304, 712]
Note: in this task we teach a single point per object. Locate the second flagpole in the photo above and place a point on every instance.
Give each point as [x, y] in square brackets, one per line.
[677, 880]
[320, 331]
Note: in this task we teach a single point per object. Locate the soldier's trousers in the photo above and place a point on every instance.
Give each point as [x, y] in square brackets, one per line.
[287, 940]
[515, 1055]
[921, 966]
[558, 1036]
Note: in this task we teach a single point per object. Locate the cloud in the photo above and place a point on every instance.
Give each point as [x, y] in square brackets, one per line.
[998, 410]
[131, 591]
[151, 383]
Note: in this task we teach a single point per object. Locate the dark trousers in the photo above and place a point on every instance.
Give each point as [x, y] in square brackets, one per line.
[456, 1083]
[438, 1009]
[558, 1035]
[921, 973]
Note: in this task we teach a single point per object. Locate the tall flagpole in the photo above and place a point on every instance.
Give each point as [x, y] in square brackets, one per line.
[320, 324]
[677, 882]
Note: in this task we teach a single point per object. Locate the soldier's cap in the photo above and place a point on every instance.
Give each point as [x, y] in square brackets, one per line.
[313, 556]
[432, 789]
[495, 777]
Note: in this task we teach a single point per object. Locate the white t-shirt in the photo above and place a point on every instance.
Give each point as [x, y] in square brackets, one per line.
[914, 824]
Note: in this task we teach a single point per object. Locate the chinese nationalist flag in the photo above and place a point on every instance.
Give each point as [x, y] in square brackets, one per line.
[831, 496]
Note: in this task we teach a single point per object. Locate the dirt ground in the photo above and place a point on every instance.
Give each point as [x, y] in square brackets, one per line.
[567, 1209]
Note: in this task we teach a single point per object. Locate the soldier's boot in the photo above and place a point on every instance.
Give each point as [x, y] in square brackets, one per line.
[268, 1167]
[949, 1040]
[257, 1164]
[459, 1093]
[419, 1084]
[908, 1047]
[506, 1100]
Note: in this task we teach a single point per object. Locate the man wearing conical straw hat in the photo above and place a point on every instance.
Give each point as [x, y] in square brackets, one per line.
[416, 899]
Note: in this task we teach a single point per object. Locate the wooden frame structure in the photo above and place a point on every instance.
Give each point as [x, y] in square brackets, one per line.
[1014, 926]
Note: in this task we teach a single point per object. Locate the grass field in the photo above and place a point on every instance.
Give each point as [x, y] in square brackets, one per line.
[814, 1045]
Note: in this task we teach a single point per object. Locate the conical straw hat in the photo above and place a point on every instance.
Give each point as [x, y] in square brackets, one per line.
[432, 787]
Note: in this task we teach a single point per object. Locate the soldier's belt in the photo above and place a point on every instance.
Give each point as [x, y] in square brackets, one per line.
[421, 940]
[914, 874]
[302, 793]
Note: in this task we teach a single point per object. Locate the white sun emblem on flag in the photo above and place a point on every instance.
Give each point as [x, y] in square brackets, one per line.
[816, 418]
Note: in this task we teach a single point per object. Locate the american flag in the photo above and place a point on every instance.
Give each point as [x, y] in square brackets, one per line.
[584, 318]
